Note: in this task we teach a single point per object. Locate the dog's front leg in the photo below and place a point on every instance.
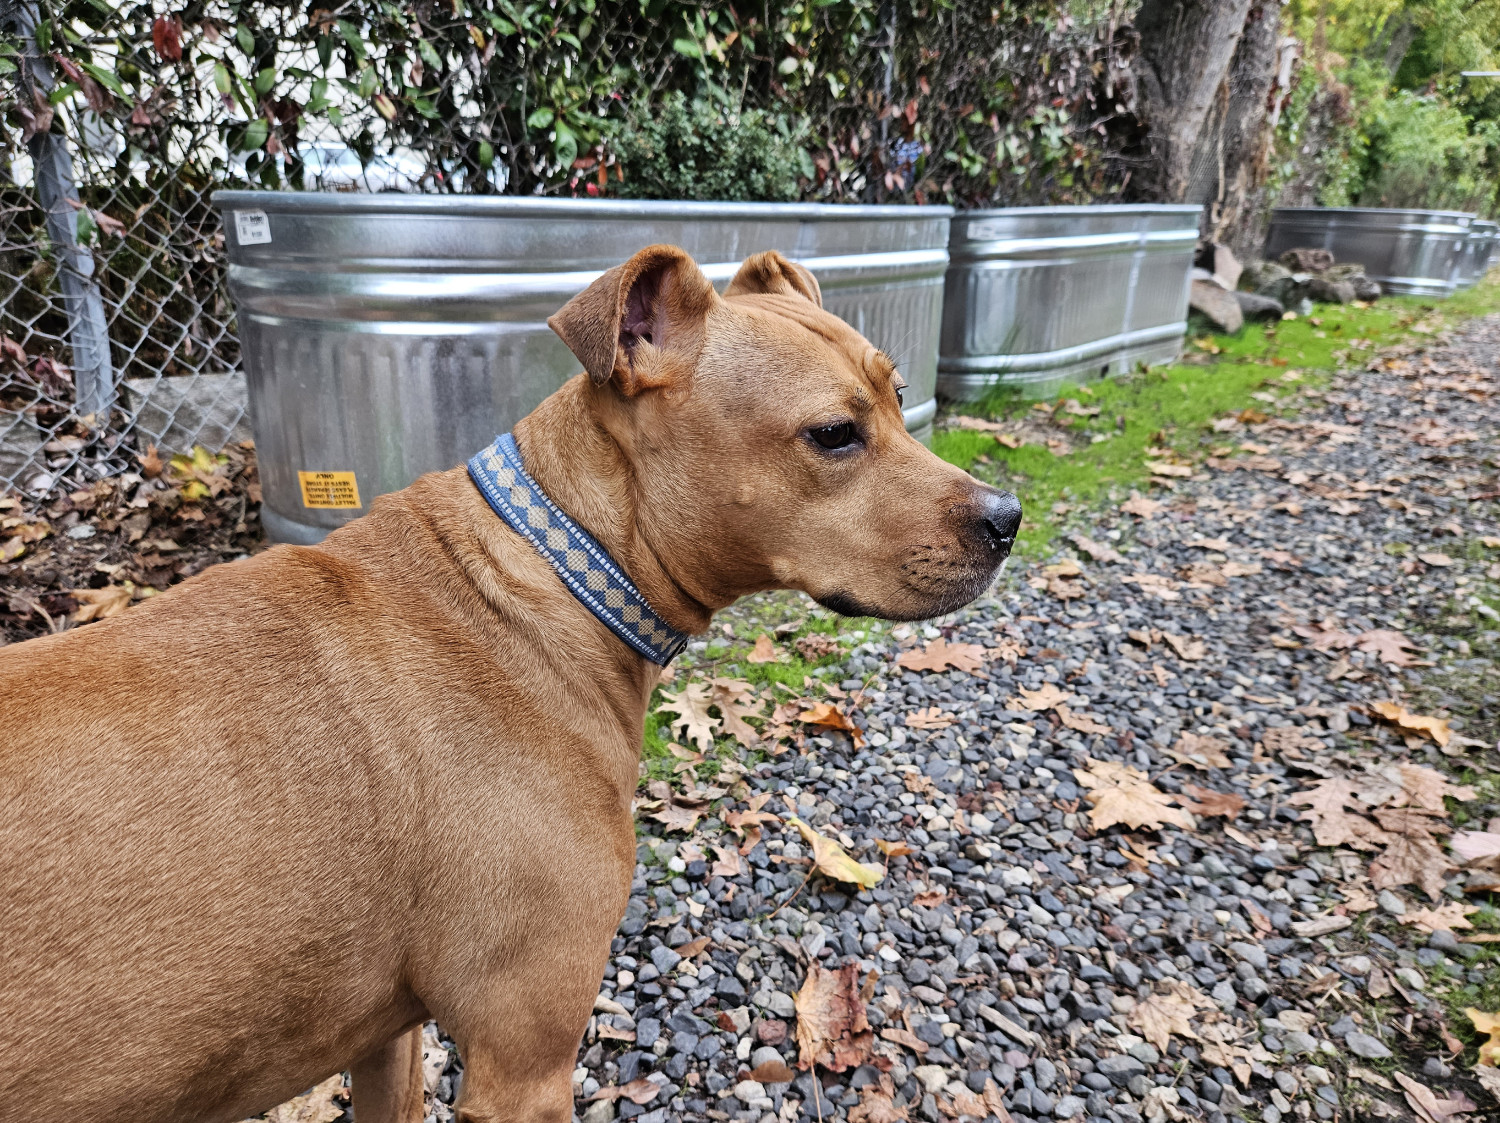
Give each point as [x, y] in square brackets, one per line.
[387, 1084]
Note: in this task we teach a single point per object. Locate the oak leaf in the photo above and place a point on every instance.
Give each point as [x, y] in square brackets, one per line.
[1121, 794]
[1162, 1015]
[1200, 752]
[1400, 716]
[1081, 723]
[1141, 507]
[314, 1106]
[1046, 698]
[1489, 1051]
[930, 718]
[966, 657]
[1448, 917]
[1389, 645]
[832, 1029]
[831, 861]
[691, 704]
[830, 716]
[736, 701]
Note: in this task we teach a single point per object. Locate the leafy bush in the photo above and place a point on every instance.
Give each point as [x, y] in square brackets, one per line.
[1422, 153]
[699, 151]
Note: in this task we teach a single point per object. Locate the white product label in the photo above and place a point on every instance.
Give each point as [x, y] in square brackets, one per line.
[252, 228]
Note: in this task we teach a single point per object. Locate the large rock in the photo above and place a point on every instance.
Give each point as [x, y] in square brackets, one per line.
[1219, 305]
[1325, 291]
[1258, 274]
[1256, 307]
[1220, 261]
[1307, 260]
[1365, 288]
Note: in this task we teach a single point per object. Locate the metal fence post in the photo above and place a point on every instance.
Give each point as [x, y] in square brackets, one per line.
[88, 329]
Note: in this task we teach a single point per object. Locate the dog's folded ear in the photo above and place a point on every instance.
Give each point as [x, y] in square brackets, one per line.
[774, 275]
[641, 323]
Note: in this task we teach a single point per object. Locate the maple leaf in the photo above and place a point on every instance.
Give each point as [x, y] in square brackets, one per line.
[1332, 825]
[1141, 507]
[1207, 802]
[691, 704]
[1162, 1015]
[1200, 752]
[1489, 1051]
[1426, 1104]
[877, 1103]
[832, 1029]
[314, 1106]
[930, 718]
[736, 701]
[830, 716]
[1081, 722]
[831, 861]
[764, 651]
[1044, 699]
[966, 657]
[1426, 787]
[1388, 645]
[1412, 856]
[1121, 794]
[676, 817]
[1400, 716]
[1446, 917]
[1189, 650]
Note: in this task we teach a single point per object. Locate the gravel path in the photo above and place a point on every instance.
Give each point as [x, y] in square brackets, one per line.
[1231, 970]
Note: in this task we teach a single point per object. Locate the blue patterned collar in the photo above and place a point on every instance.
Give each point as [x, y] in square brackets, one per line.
[584, 565]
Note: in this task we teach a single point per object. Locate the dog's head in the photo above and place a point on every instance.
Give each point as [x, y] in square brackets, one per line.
[767, 445]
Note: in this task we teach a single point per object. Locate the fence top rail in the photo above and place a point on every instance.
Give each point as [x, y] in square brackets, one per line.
[511, 206]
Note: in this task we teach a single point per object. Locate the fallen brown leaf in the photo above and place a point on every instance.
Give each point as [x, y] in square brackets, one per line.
[830, 859]
[1141, 507]
[1188, 649]
[1081, 722]
[930, 718]
[1162, 1015]
[1448, 917]
[1046, 698]
[764, 651]
[1200, 752]
[772, 1072]
[829, 716]
[1400, 716]
[693, 721]
[1389, 645]
[314, 1106]
[100, 604]
[1208, 803]
[1426, 1104]
[640, 1091]
[877, 1103]
[832, 1029]
[1489, 1050]
[966, 657]
[1121, 794]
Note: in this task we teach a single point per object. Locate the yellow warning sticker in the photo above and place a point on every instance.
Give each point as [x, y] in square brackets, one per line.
[329, 489]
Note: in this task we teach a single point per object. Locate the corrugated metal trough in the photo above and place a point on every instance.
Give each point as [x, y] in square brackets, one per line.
[1410, 252]
[391, 335]
[1039, 296]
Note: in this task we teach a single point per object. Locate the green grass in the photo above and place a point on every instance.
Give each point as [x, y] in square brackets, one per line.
[1174, 406]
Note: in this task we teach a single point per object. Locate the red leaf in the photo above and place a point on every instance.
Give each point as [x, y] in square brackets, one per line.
[166, 36]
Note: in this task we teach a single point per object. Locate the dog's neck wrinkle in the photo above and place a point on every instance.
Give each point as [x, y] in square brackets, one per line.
[582, 468]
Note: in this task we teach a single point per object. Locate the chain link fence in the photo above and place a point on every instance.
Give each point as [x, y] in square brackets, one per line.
[118, 121]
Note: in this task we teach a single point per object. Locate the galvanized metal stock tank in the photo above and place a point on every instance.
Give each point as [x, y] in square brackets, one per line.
[392, 335]
[1410, 252]
[1477, 250]
[1039, 296]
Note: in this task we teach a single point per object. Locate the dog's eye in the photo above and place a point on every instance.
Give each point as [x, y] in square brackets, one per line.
[901, 396]
[835, 436]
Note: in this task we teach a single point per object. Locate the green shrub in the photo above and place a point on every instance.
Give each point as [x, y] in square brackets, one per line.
[696, 150]
[1422, 153]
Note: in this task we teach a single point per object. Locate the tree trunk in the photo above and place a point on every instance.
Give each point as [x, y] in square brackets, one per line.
[1235, 209]
[1185, 50]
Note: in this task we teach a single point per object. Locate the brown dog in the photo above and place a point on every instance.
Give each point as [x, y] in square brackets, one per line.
[257, 830]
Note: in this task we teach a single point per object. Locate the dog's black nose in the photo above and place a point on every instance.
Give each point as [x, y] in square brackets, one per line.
[1000, 518]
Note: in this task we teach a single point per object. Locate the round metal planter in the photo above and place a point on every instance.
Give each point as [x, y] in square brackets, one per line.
[1475, 262]
[385, 336]
[1410, 252]
[1039, 296]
